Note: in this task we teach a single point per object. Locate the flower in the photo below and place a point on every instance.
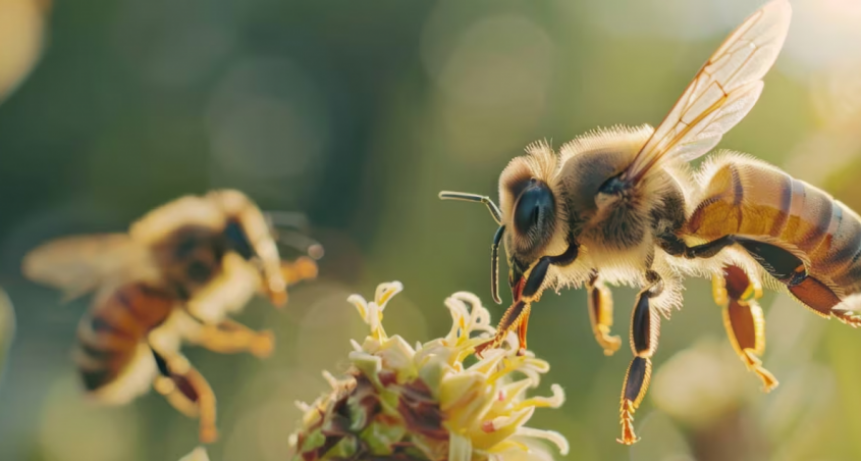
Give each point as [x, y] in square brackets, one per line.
[426, 403]
[199, 454]
[7, 326]
[22, 24]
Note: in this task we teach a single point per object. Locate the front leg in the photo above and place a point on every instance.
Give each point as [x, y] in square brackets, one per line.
[229, 336]
[302, 269]
[516, 316]
[645, 329]
[292, 272]
[525, 293]
[601, 314]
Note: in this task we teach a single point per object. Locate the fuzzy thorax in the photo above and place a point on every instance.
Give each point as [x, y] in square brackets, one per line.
[616, 233]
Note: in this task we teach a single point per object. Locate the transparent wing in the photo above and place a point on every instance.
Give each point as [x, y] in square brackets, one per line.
[76, 265]
[721, 94]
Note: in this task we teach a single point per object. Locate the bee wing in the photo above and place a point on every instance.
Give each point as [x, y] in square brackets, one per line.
[78, 264]
[722, 93]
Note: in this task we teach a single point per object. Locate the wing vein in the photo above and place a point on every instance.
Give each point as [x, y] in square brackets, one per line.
[723, 91]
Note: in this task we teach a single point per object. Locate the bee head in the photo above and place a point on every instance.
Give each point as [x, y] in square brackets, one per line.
[247, 233]
[531, 210]
[256, 236]
[533, 221]
[527, 217]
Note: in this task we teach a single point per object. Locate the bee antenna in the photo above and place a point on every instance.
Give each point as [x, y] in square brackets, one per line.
[494, 265]
[287, 220]
[301, 242]
[465, 197]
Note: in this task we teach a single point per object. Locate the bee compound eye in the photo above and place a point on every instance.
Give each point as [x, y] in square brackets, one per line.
[238, 240]
[534, 208]
[199, 271]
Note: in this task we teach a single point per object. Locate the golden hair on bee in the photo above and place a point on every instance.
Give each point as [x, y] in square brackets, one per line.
[540, 162]
[525, 176]
[617, 138]
[620, 206]
[175, 277]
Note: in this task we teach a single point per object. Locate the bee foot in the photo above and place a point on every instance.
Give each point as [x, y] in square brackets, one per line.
[848, 317]
[208, 434]
[628, 435]
[611, 344]
[263, 344]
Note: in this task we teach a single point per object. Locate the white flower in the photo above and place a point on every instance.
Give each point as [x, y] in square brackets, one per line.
[199, 454]
[423, 401]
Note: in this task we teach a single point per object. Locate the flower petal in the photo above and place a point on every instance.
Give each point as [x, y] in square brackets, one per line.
[198, 454]
[459, 448]
[385, 292]
[552, 436]
[554, 401]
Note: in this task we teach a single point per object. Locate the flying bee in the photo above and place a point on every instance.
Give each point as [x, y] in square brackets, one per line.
[619, 206]
[175, 276]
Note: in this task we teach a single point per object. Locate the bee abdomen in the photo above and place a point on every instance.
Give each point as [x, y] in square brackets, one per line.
[743, 196]
[821, 227]
[839, 254]
[98, 366]
[109, 336]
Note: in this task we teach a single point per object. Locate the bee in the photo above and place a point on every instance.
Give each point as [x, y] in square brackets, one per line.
[175, 276]
[621, 206]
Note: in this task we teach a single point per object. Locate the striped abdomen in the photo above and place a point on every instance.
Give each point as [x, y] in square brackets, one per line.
[110, 335]
[743, 196]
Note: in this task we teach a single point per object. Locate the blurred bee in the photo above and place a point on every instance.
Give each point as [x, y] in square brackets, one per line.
[619, 206]
[175, 276]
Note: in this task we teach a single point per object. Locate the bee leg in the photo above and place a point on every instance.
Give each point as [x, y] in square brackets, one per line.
[521, 331]
[601, 315]
[230, 337]
[819, 298]
[292, 272]
[675, 246]
[187, 391]
[790, 270]
[743, 320]
[516, 316]
[848, 317]
[304, 268]
[707, 250]
[645, 329]
[781, 264]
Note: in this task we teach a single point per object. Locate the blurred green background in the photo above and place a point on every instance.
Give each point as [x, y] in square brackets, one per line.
[358, 113]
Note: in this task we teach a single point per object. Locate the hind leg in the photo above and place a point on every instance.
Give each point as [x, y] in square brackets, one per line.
[781, 264]
[743, 319]
[187, 391]
[790, 270]
[822, 300]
